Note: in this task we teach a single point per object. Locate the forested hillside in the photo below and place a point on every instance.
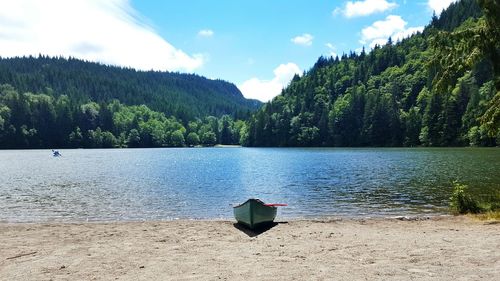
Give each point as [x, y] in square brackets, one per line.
[437, 88]
[68, 103]
[186, 96]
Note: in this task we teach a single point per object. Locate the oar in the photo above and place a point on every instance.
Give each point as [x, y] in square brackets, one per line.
[275, 205]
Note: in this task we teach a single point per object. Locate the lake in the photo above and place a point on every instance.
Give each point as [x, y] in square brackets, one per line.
[203, 183]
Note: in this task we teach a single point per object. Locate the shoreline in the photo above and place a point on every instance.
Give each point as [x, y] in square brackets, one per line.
[410, 217]
[435, 248]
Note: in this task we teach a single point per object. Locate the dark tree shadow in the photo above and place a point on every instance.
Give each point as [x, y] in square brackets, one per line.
[258, 230]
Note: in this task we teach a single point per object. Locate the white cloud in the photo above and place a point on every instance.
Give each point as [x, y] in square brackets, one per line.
[206, 33]
[332, 49]
[364, 8]
[439, 5]
[406, 33]
[265, 90]
[304, 39]
[383, 28]
[107, 31]
[393, 26]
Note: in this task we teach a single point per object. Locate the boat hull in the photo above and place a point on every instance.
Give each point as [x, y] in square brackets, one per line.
[253, 213]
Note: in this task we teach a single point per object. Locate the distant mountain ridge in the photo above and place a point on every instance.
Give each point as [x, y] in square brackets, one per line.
[185, 96]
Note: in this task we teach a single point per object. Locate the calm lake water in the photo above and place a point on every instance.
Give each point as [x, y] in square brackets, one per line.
[203, 183]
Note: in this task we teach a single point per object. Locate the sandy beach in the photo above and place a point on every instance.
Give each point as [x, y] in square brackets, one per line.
[450, 248]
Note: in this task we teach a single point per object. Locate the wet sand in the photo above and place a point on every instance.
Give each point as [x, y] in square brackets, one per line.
[451, 248]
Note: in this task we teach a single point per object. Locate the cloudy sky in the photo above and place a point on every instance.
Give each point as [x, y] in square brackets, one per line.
[258, 44]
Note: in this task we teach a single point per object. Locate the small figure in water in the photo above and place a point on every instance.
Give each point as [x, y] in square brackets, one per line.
[56, 153]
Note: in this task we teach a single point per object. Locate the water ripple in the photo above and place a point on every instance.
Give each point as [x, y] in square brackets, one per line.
[163, 184]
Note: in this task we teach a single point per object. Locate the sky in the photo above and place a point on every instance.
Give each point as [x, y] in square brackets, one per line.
[258, 45]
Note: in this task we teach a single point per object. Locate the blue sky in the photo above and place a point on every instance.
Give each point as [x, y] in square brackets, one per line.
[258, 45]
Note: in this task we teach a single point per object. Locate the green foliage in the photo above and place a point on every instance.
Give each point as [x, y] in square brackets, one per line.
[177, 139]
[108, 140]
[193, 139]
[133, 140]
[456, 14]
[208, 138]
[76, 138]
[463, 202]
[491, 118]
[435, 88]
[459, 50]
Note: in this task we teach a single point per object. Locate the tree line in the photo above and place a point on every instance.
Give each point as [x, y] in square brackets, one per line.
[30, 120]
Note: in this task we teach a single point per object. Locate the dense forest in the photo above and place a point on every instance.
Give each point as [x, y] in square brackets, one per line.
[42, 120]
[68, 103]
[439, 87]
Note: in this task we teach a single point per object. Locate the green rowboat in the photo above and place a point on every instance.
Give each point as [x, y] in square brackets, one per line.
[254, 213]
